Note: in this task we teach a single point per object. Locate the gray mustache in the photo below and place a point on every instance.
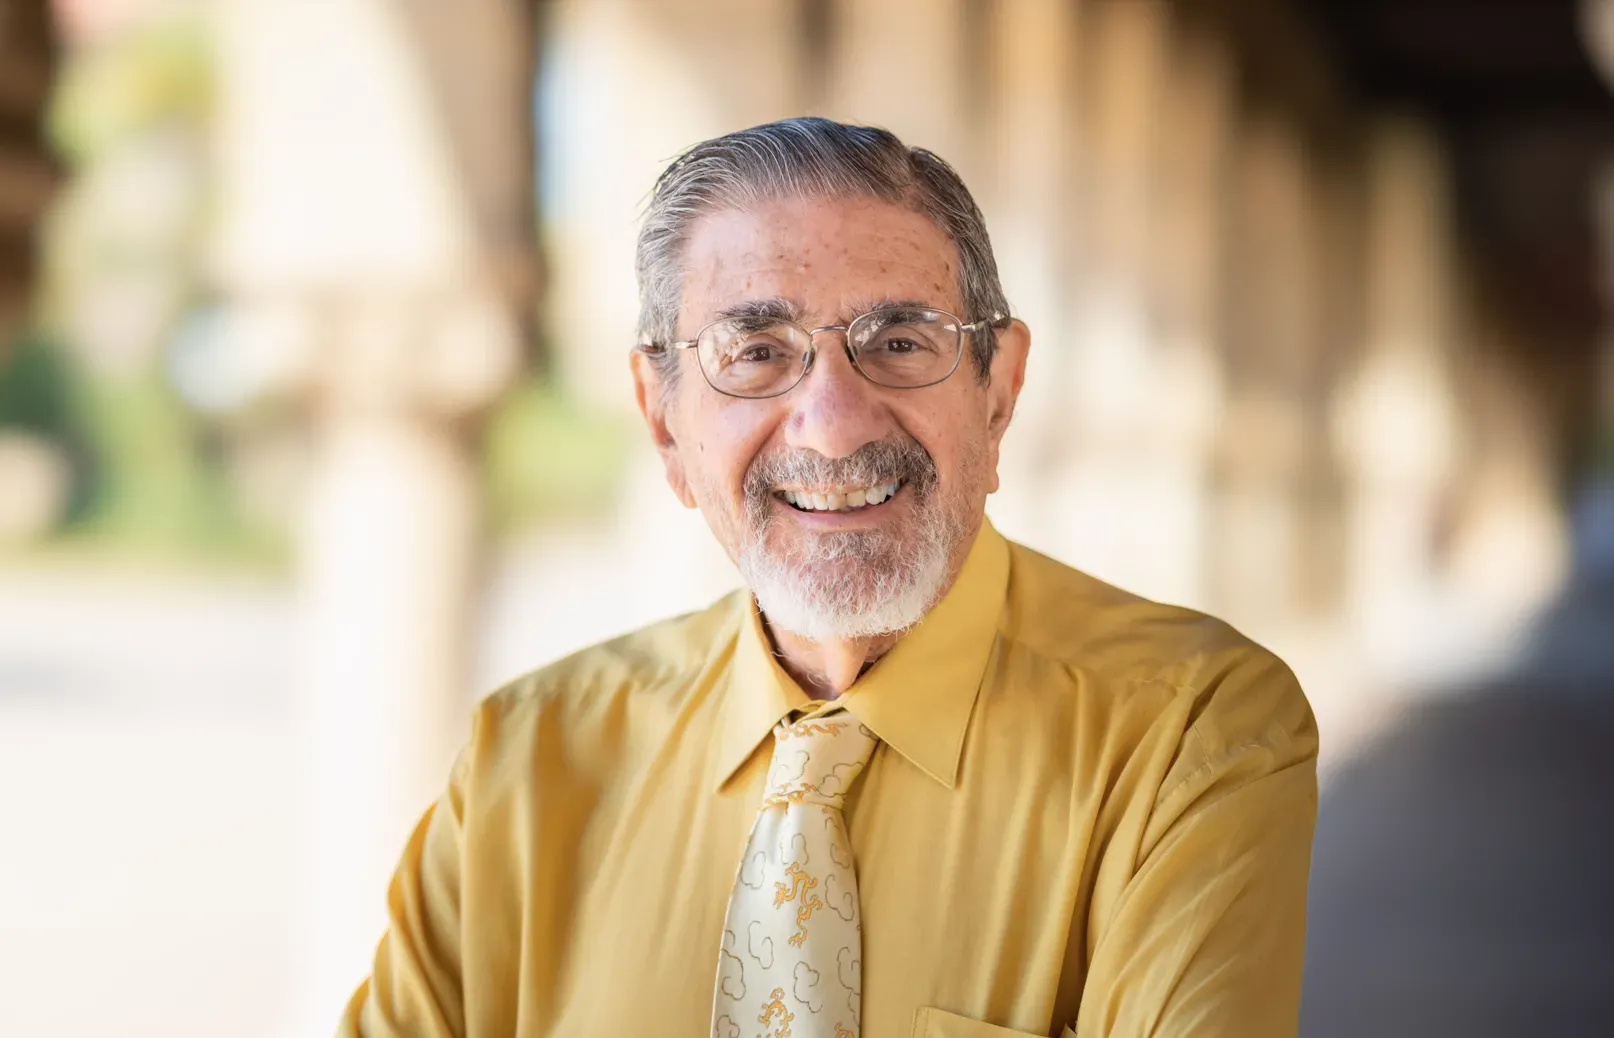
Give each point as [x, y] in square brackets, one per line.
[881, 461]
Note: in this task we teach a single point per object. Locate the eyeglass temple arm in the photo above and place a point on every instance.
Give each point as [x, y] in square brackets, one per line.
[997, 320]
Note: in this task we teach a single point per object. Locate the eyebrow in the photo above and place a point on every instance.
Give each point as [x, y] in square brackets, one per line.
[891, 304]
[778, 308]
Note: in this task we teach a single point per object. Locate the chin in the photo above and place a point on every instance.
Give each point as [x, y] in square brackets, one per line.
[844, 597]
[875, 550]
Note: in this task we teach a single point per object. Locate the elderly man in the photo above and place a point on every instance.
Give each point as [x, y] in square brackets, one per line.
[916, 780]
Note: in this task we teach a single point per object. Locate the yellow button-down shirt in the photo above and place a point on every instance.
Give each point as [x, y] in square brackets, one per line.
[1087, 814]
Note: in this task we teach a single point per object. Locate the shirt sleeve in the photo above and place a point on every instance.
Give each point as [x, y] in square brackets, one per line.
[1208, 935]
[415, 989]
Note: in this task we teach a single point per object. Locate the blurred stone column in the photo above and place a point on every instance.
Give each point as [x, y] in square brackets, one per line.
[1397, 423]
[1271, 438]
[1198, 117]
[1338, 218]
[375, 256]
[915, 67]
[1105, 483]
[1030, 196]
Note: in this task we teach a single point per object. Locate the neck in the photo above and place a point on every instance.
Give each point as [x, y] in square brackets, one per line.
[826, 669]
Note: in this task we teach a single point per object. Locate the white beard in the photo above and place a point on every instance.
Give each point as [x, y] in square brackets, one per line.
[853, 584]
[860, 584]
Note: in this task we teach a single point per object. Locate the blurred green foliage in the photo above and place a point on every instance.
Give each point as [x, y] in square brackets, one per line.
[37, 388]
[141, 483]
[159, 71]
[154, 486]
[39, 395]
[548, 456]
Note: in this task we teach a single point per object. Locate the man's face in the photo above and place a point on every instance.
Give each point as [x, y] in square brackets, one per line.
[859, 570]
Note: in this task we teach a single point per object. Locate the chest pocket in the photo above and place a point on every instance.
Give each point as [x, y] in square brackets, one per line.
[938, 1023]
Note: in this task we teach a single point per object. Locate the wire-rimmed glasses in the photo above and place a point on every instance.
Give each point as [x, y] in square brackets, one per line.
[900, 347]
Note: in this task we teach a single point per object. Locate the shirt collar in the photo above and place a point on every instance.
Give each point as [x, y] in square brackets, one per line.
[759, 695]
[918, 697]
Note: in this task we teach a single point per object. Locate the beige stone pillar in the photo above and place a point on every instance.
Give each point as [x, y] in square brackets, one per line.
[1397, 425]
[1106, 483]
[374, 255]
[1186, 266]
[1270, 436]
[1507, 548]
[1338, 208]
[930, 95]
[1030, 194]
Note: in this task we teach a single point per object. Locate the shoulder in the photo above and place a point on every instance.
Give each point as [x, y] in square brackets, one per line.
[1222, 687]
[1064, 614]
[591, 690]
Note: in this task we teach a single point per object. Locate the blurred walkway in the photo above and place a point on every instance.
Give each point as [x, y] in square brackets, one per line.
[142, 874]
[1460, 886]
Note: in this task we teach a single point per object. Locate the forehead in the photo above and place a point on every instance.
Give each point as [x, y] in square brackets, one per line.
[831, 257]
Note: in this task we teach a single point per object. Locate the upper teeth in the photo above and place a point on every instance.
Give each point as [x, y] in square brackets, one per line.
[840, 500]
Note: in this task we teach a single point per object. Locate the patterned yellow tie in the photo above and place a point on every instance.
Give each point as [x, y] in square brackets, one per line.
[792, 956]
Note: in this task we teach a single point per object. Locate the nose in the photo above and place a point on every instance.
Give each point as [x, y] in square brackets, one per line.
[834, 410]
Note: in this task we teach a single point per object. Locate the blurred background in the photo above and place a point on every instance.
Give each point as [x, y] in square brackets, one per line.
[315, 425]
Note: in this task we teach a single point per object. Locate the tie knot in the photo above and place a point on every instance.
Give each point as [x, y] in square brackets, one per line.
[815, 761]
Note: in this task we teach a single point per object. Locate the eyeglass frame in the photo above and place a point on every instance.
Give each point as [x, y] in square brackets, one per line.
[998, 320]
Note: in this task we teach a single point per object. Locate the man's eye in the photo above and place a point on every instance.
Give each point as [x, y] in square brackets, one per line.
[754, 351]
[902, 346]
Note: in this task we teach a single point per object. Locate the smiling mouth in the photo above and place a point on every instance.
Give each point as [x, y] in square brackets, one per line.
[848, 499]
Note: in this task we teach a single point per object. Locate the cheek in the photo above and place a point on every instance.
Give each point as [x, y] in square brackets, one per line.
[728, 435]
[953, 431]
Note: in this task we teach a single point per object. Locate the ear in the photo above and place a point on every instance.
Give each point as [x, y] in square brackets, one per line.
[651, 392]
[1008, 374]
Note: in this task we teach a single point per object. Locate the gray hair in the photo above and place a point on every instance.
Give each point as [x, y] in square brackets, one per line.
[805, 158]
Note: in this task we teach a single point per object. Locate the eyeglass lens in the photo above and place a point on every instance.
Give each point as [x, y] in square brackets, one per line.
[763, 356]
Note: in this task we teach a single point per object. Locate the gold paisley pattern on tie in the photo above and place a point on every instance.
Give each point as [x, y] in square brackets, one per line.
[791, 957]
